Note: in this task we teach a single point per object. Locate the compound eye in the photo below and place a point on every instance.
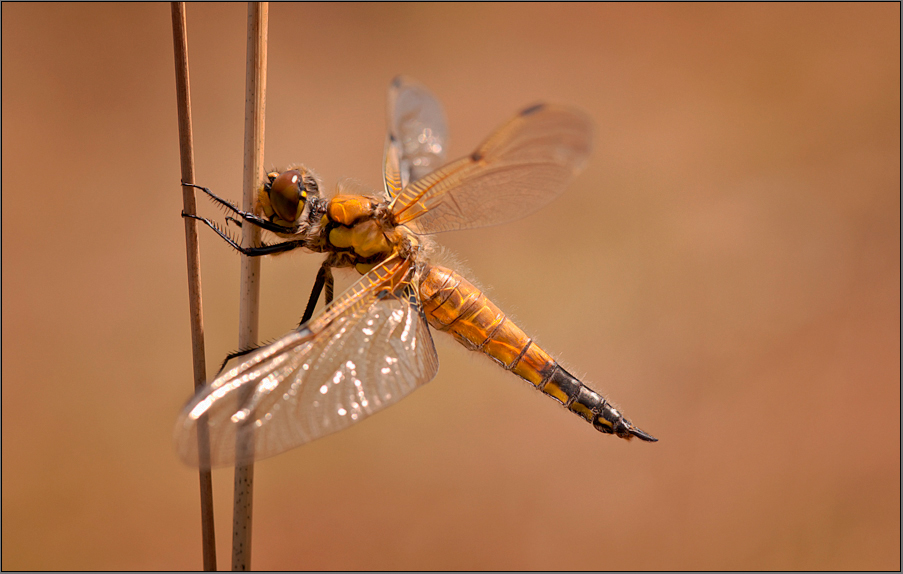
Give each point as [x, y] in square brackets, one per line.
[287, 195]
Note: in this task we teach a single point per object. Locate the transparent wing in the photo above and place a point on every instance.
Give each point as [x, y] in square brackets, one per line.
[417, 137]
[521, 167]
[366, 351]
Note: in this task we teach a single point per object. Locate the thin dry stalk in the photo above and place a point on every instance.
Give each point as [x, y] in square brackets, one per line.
[255, 100]
[186, 147]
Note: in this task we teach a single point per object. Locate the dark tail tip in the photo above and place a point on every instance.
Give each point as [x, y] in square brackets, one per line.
[642, 435]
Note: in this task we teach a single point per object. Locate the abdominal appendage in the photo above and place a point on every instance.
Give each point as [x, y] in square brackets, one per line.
[453, 304]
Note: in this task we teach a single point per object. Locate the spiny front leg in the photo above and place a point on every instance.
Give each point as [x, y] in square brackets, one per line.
[257, 251]
[252, 218]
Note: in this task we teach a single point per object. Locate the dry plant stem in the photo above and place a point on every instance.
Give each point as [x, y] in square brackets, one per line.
[186, 147]
[255, 99]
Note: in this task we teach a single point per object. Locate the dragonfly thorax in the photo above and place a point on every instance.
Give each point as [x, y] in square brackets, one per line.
[361, 229]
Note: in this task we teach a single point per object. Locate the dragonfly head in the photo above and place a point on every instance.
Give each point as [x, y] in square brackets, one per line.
[285, 196]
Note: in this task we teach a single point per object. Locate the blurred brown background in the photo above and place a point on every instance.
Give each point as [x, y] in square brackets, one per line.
[726, 270]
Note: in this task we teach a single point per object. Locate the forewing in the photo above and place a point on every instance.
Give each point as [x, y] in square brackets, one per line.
[521, 167]
[417, 134]
[365, 352]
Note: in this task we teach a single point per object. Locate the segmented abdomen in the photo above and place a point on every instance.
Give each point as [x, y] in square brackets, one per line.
[453, 304]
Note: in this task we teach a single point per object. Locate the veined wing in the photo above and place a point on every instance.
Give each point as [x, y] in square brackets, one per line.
[366, 351]
[417, 137]
[521, 167]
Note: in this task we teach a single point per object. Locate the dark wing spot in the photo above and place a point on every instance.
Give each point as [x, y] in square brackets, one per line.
[396, 81]
[476, 156]
[532, 109]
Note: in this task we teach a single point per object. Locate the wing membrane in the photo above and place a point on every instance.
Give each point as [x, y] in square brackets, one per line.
[366, 351]
[417, 138]
[521, 167]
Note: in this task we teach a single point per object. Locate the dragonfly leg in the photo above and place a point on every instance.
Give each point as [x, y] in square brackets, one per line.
[330, 285]
[235, 354]
[251, 218]
[258, 251]
[324, 279]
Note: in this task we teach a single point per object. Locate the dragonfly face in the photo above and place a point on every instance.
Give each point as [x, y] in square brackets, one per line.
[283, 198]
[372, 345]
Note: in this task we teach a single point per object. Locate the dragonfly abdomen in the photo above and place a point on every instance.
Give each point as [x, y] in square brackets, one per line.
[453, 304]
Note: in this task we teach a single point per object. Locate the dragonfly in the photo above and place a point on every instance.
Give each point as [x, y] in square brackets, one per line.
[371, 346]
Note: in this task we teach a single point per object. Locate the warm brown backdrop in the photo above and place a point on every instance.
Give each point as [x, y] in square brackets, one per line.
[726, 269]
